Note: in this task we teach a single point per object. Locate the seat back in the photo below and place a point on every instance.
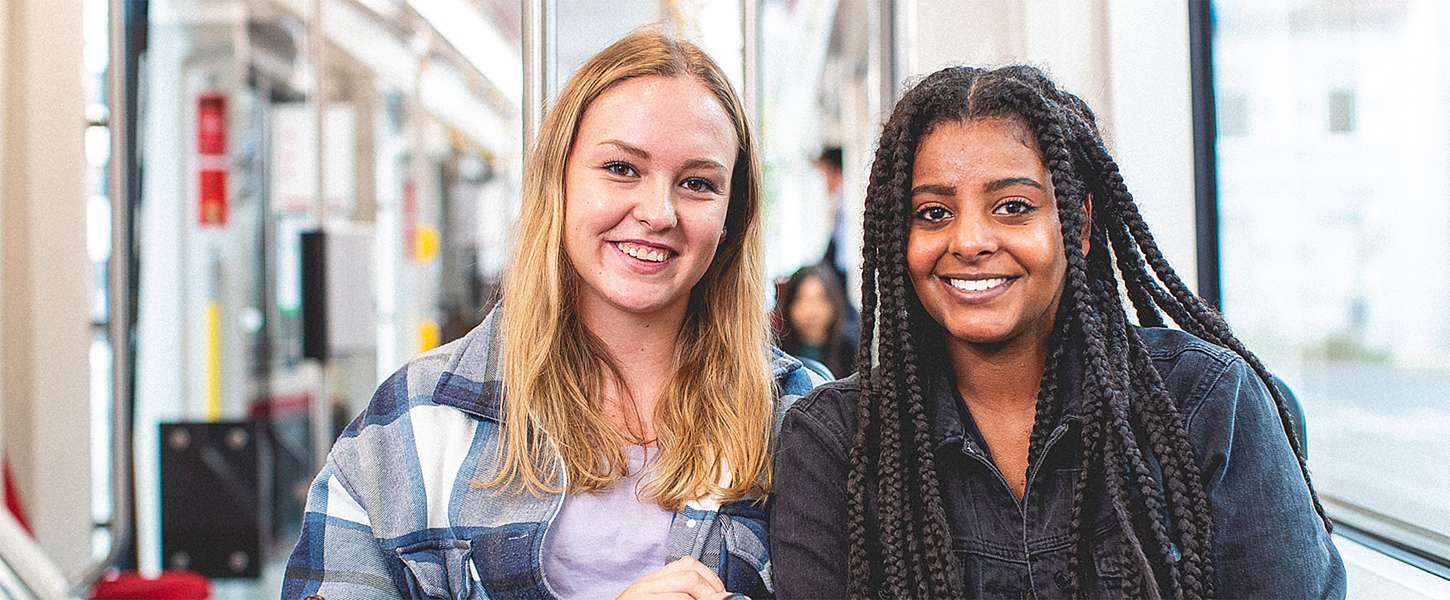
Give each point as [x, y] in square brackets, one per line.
[1300, 426]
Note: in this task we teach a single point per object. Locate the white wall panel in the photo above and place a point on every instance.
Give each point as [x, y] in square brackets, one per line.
[44, 366]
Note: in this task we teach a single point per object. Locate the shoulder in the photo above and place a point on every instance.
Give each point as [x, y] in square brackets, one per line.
[411, 386]
[1170, 345]
[459, 377]
[393, 444]
[793, 380]
[1190, 366]
[1209, 382]
[828, 414]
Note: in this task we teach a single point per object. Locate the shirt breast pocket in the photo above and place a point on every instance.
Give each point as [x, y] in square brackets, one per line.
[1107, 549]
[1111, 558]
[439, 570]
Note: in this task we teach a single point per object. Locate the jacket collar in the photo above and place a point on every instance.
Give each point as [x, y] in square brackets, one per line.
[473, 380]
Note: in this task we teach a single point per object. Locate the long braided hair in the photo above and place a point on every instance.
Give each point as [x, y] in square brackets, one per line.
[1128, 416]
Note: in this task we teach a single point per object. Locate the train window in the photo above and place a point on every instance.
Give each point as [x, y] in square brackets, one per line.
[1334, 208]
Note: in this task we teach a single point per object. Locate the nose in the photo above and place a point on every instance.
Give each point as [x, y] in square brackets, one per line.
[655, 209]
[973, 238]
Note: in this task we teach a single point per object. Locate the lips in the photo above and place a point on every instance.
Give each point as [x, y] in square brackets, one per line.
[977, 288]
[976, 285]
[645, 251]
[645, 258]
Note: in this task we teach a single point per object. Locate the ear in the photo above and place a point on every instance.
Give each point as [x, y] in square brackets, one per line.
[1087, 224]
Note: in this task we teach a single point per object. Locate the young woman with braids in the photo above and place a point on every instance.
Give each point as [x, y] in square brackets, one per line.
[1015, 433]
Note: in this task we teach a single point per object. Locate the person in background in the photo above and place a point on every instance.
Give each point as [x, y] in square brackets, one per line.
[1010, 432]
[606, 431]
[814, 317]
[831, 165]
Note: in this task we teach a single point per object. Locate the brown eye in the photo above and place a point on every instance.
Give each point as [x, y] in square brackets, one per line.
[620, 169]
[1014, 207]
[699, 185]
[933, 214]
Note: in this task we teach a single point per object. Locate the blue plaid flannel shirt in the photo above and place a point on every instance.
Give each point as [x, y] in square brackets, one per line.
[395, 512]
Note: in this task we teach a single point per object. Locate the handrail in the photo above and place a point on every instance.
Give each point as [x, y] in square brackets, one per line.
[538, 45]
[32, 569]
[119, 297]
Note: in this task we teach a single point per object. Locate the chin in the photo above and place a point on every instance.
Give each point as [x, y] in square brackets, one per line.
[985, 334]
[634, 302]
[981, 339]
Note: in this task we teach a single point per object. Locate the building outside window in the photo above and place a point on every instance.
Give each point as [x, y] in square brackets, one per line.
[1335, 240]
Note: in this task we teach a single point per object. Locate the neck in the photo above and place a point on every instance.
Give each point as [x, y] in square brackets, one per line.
[999, 378]
[643, 347]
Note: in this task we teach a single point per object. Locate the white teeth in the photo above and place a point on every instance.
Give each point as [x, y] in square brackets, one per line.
[977, 285]
[643, 253]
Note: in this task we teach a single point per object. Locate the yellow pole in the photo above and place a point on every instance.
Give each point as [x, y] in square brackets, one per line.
[213, 361]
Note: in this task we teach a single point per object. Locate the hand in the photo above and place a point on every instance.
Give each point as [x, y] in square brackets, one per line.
[684, 579]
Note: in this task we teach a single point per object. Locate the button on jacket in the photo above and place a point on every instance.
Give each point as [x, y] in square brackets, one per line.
[398, 510]
[1268, 540]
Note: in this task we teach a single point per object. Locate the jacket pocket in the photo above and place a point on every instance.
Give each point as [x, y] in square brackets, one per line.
[1107, 550]
[439, 570]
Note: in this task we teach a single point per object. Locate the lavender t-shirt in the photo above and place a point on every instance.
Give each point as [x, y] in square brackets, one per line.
[600, 543]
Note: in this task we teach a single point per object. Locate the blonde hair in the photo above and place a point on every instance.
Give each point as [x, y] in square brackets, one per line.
[713, 418]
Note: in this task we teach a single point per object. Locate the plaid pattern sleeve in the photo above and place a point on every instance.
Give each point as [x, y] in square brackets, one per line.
[337, 555]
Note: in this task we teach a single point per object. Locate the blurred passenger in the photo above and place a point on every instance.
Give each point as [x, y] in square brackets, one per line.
[1015, 434]
[608, 426]
[813, 313]
[831, 165]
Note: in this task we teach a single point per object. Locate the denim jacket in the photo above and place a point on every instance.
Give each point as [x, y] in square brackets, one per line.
[1268, 541]
[398, 512]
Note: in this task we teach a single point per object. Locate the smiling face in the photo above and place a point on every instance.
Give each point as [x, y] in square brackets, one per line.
[985, 248]
[646, 191]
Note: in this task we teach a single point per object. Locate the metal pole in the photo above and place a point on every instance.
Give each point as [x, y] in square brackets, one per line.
[318, 411]
[118, 296]
[881, 56]
[750, 38]
[539, 46]
[1205, 149]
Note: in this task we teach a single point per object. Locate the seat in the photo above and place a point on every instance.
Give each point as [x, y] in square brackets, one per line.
[1300, 426]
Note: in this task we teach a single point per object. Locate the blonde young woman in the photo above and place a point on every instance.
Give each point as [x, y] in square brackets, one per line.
[606, 431]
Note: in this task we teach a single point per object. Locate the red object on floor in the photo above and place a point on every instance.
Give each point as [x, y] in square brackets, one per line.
[12, 497]
[171, 585]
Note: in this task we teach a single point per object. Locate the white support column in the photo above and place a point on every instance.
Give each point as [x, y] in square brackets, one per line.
[4, 191]
[1152, 132]
[44, 313]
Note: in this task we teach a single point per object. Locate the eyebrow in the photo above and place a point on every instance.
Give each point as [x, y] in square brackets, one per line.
[937, 189]
[627, 148]
[702, 163]
[941, 189]
[1011, 181]
[695, 163]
